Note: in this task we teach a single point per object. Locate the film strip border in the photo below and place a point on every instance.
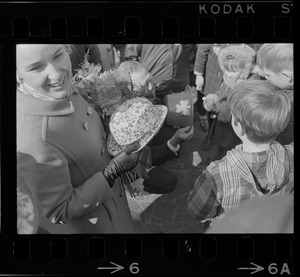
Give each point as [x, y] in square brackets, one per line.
[158, 255]
[170, 254]
[148, 21]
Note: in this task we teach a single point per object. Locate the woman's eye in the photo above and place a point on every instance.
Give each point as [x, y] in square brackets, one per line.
[36, 68]
[58, 56]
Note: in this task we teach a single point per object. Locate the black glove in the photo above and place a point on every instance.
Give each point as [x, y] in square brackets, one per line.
[121, 163]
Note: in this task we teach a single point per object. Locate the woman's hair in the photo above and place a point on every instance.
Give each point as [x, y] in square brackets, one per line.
[232, 64]
[262, 110]
[70, 48]
[276, 57]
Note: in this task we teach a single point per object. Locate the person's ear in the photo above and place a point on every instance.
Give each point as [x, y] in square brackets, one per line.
[288, 75]
[242, 130]
[19, 79]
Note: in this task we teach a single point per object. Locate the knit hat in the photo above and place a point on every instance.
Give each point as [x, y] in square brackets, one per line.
[242, 52]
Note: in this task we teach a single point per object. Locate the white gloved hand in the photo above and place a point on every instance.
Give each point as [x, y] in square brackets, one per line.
[199, 82]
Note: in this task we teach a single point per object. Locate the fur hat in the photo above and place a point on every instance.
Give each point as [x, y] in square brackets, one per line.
[242, 52]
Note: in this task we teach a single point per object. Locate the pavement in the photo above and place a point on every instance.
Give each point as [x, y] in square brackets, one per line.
[167, 213]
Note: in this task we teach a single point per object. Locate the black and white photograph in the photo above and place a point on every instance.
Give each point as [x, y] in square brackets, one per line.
[155, 138]
[147, 138]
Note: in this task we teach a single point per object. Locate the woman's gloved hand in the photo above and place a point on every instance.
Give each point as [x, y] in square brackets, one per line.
[124, 161]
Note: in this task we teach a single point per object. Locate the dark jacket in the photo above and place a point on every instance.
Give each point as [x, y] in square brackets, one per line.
[61, 152]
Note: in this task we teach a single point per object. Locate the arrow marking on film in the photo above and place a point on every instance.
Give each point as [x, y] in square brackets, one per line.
[257, 268]
[117, 268]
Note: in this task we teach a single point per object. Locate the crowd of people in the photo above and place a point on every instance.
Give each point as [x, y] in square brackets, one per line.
[65, 159]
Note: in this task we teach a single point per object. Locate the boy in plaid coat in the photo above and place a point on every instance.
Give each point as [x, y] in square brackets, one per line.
[259, 166]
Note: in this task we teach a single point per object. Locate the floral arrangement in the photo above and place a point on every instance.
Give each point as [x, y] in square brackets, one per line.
[105, 91]
[210, 102]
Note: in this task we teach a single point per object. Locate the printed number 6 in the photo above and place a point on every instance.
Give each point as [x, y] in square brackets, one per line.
[134, 269]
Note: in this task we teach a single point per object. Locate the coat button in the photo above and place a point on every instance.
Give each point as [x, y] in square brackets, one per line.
[102, 151]
[86, 126]
[89, 110]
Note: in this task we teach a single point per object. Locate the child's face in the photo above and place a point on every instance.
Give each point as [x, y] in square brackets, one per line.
[232, 74]
[280, 80]
[140, 78]
[46, 68]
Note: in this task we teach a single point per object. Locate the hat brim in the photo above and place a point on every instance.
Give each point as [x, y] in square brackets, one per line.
[114, 148]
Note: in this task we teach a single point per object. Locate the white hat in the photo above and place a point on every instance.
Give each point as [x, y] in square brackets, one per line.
[137, 119]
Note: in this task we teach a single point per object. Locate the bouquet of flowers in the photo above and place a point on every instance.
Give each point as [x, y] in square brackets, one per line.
[210, 102]
[105, 91]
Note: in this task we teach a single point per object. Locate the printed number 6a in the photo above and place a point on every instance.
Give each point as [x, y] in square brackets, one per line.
[274, 270]
[134, 269]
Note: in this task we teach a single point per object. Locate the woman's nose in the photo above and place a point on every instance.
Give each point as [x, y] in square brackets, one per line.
[53, 71]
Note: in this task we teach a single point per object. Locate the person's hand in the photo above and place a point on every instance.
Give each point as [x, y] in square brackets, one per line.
[218, 107]
[182, 134]
[124, 161]
[199, 82]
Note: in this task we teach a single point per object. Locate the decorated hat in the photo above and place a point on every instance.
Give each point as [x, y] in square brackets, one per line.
[180, 108]
[242, 52]
[137, 119]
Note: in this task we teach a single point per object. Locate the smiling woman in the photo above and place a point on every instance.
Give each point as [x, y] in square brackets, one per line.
[61, 149]
[44, 71]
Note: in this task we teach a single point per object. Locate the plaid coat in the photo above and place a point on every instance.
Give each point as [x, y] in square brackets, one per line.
[224, 184]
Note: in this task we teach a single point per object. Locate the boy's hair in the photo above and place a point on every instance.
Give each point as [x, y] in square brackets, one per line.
[275, 57]
[233, 64]
[262, 110]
